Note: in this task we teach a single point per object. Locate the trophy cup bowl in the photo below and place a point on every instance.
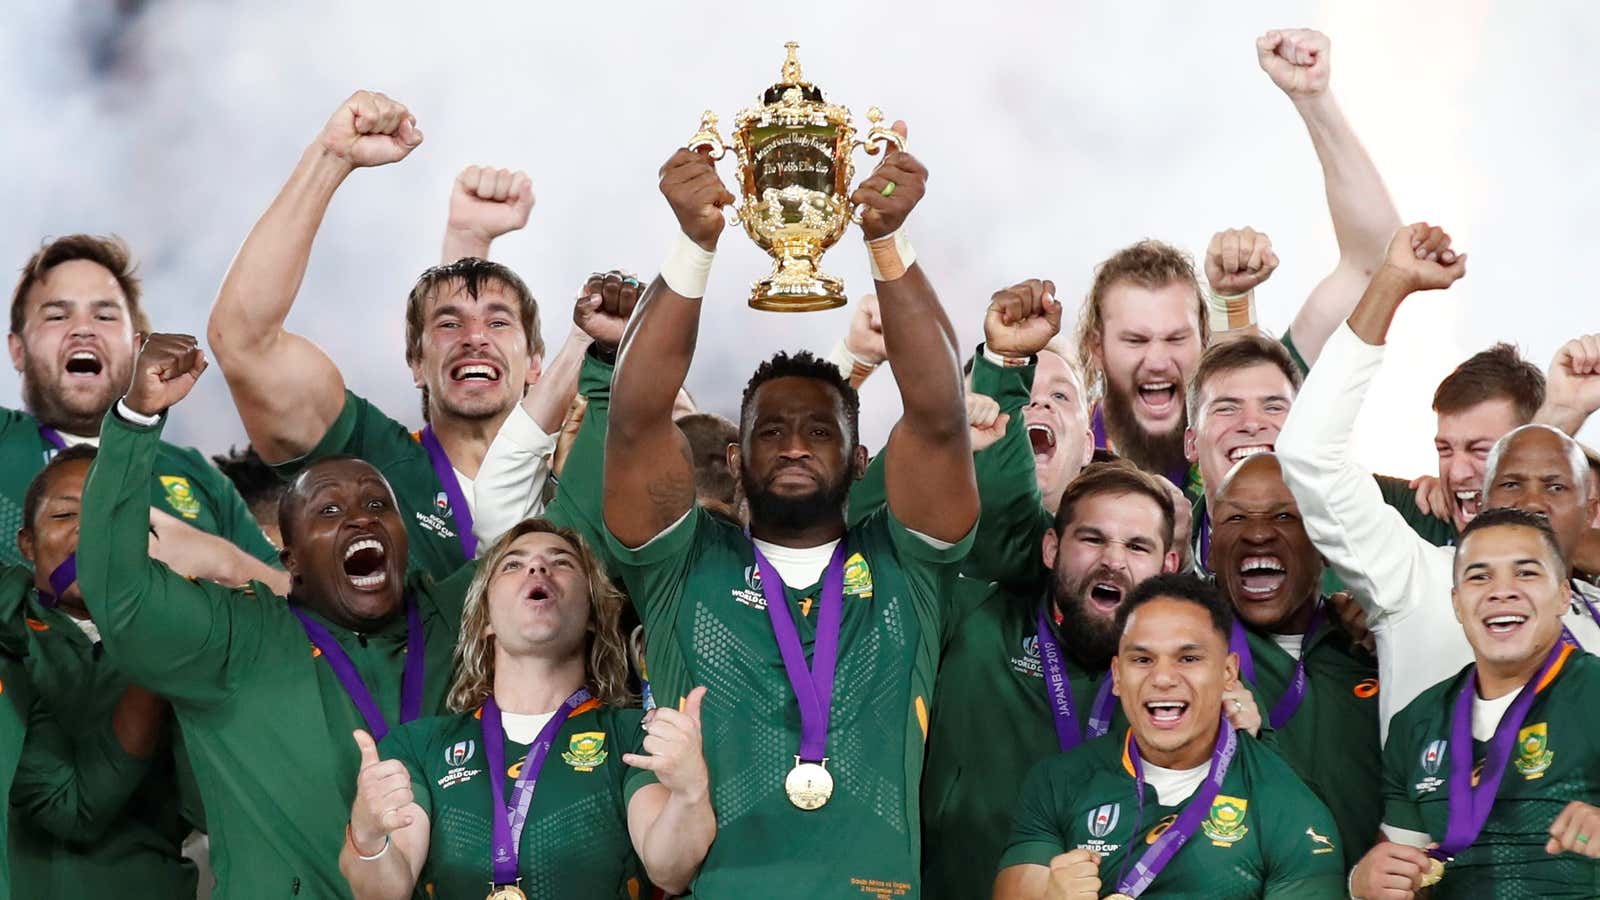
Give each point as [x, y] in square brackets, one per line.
[795, 170]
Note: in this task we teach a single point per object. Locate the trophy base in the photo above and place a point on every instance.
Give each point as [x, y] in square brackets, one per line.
[796, 286]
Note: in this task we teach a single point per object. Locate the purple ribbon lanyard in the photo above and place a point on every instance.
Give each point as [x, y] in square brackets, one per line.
[1295, 693]
[53, 437]
[1469, 806]
[1097, 424]
[1155, 858]
[446, 474]
[350, 679]
[61, 578]
[508, 825]
[813, 686]
[1059, 686]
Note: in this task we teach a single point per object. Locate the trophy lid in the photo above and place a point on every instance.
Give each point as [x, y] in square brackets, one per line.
[792, 78]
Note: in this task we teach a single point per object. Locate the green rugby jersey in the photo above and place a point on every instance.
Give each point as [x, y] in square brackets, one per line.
[266, 723]
[575, 843]
[182, 483]
[697, 588]
[1556, 760]
[139, 852]
[1332, 740]
[1012, 519]
[1266, 834]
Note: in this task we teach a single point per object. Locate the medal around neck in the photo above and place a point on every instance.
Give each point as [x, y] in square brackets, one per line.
[1118, 897]
[809, 784]
[794, 174]
[507, 892]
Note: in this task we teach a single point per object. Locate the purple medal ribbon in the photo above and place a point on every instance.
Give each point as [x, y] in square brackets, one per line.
[1295, 693]
[446, 474]
[350, 679]
[1155, 858]
[508, 825]
[813, 687]
[53, 437]
[1059, 686]
[1469, 805]
[61, 578]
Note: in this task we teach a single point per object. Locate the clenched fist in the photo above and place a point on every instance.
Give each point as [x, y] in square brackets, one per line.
[1022, 319]
[884, 213]
[864, 340]
[605, 304]
[1573, 382]
[370, 129]
[1296, 59]
[1420, 255]
[697, 195]
[986, 424]
[1239, 259]
[165, 372]
[486, 202]
[1074, 876]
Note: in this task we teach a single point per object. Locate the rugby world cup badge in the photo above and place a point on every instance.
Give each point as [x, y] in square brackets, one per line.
[459, 753]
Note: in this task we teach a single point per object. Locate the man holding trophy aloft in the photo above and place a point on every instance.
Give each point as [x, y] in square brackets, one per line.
[818, 643]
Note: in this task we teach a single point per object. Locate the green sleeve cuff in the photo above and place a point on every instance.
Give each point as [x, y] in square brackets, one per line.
[1009, 386]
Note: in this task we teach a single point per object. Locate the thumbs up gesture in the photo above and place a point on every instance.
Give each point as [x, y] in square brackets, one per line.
[672, 748]
[384, 803]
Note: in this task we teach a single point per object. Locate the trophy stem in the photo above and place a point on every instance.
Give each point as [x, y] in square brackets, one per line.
[796, 285]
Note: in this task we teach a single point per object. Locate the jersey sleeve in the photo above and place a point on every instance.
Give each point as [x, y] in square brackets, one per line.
[408, 744]
[656, 572]
[171, 635]
[1287, 340]
[1012, 519]
[72, 789]
[510, 482]
[1036, 833]
[579, 503]
[868, 494]
[1299, 837]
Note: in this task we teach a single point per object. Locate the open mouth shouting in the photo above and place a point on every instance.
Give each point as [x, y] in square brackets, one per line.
[366, 564]
[1043, 439]
[1159, 398]
[475, 372]
[1504, 624]
[540, 594]
[1262, 576]
[1106, 596]
[84, 363]
[1468, 503]
[1166, 714]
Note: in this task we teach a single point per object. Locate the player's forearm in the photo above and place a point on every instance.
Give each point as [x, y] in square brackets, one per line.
[916, 336]
[653, 360]
[386, 878]
[1375, 312]
[261, 284]
[1364, 216]
[1558, 415]
[460, 243]
[677, 841]
[550, 398]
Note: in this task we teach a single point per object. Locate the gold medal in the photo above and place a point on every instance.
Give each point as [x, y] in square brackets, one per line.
[1435, 873]
[507, 892]
[808, 784]
[1118, 897]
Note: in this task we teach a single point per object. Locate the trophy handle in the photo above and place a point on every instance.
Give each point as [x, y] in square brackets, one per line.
[877, 138]
[707, 137]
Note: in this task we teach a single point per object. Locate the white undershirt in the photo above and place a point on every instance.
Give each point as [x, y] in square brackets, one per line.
[1486, 714]
[798, 566]
[524, 727]
[78, 440]
[1291, 643]
[467, 492]
[88, 627]
[1173, 786]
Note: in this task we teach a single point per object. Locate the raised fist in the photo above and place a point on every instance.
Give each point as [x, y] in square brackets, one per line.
[486, 203]
[689, 182]
[1420, 254]
[891, 191]
[1573, 382]
[864, 340]
[605, 304]
[1238, 259]
[985, 422]
[384, 801]
[1022, 318]
[1296, 59]
[1074, 875]
[370, 129]
[165, 372]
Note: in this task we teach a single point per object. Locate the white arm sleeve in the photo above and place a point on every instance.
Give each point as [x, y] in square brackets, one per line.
[510, 482]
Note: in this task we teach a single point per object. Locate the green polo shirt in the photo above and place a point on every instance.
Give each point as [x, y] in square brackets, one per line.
[1266, 834]
[265, 721]
[139, 852]
[1332, 740]
[698, 590]
[575, 843]
[1555, 761]
[182, 483]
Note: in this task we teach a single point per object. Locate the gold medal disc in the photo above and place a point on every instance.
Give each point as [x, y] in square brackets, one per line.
[809, 785]
[1118, 897]
[1435, 873]
[507, 892]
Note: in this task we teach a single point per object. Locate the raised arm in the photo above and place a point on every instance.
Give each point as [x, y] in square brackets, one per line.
[287, 390]
[485, 203]
[1364, 217]
[1572, 385]
[386, 842]
[1238, 260]
[929, 445]
[649, 476]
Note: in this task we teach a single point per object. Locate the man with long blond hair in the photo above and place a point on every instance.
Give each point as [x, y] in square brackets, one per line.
[541, 674]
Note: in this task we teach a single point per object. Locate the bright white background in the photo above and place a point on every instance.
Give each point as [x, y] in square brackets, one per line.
[1055, 132]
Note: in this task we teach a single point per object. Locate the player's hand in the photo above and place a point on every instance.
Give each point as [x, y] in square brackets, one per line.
[569, 433]
[1238, 259]
[864, 340]
[1573, 381]
[1022, 319]
[1576, 830]
[883, 215]
[1389, 871]
[1239, 705]
[370, 129]
[384, 802]
[696, 194]
[605, 304]
[1430, 497]
[1421, 256]
[165, 372]
[1354, 619]
[985, 422]
[1297, 60]
[487, 202]
[1074, 875]
[672, 748]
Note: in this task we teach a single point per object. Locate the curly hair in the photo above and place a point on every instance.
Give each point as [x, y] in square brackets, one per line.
[802, 365]
[607, 665]
[1150, 264]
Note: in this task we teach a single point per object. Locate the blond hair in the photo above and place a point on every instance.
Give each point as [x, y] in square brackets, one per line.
[606, 669]
[1150, 264]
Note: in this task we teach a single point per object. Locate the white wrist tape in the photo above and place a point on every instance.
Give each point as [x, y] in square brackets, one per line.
[687, 267]
[1227, 312]
[890, 256]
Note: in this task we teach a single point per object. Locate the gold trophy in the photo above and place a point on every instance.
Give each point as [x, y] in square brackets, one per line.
[794, 174]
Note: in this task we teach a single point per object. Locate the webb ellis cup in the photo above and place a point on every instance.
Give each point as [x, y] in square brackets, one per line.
[794, 174]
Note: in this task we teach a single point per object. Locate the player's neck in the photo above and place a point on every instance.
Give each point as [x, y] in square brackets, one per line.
[1299, 621]
[529, 685]
[799, 537]
[1495, 680]
[1195, 753]
[465, 440]
[85, 428]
